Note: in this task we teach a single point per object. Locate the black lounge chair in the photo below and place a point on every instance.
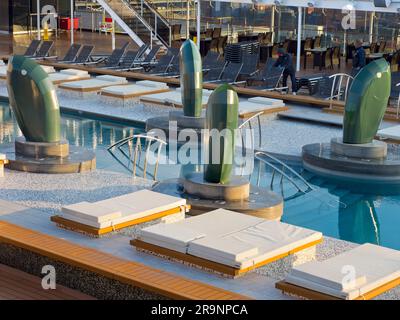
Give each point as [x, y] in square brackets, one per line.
[323, 89]
[71, 54]
[250, 64]
[210, 60]
[114, 60]
[44, 50]
[142, 50]
[149, 59]
[84, 55]
[271, 81]
[230, 73]
[33, 48]
[261, 75]
[214, 73]
[128, 61]
[163, 66]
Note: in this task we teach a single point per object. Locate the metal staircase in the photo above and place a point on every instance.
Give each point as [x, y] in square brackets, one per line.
[139, 20]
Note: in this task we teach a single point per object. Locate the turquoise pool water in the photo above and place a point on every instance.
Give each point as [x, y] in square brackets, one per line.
[351, 212]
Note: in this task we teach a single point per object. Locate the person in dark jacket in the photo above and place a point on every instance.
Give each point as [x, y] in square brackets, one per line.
[285, 61]
[359, 59]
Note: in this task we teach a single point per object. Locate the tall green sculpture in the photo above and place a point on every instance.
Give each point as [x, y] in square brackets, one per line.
[33, 100]
[222, 113]
[191, 79]
[367, 102]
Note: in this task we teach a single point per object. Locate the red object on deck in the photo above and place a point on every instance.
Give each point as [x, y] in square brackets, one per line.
[65, 23]
[108, 20]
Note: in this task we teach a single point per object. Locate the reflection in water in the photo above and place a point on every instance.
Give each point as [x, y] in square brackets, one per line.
[78, 131]
[359, 222]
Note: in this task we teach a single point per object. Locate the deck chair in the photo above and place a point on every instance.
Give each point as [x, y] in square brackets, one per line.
[210, 59]
[261, 75]
[250, 63]
[72, 53]
[44, 50]
[214, 73]
[33, 48]
[114, 60]
[128, 61]
[150, 57]
[377, 270]
[230, 73]
[163, 66]
[142, 50]
[84, 55]
[272, 81]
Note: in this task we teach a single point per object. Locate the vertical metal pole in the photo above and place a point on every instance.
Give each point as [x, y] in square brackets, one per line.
[273, 24]
[299, 31]
[187, 19]
[38, 19]
[113, 35]
[198, 23]
[72, 22]
[371, 26]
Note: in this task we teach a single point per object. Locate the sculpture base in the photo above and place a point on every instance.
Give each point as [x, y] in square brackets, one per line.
[236, 190]
[374, 150]
[262, 203]
[41, 149]
[177, 122]
[319, 158]
[78, 160]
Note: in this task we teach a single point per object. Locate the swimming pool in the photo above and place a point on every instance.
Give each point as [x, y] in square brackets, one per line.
[357, 213]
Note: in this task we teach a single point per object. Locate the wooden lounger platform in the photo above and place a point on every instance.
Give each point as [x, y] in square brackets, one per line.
[109, 266]
[207, 264]
[18, 285]
[134, 95]
[76, 226]
[264, 112]
[289, 288]
[390, 113]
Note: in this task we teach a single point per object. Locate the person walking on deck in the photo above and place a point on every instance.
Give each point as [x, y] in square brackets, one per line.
[285, 61]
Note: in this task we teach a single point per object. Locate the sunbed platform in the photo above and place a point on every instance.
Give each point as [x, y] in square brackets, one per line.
[376, 270]
[93, 85]
[102, 217]
[227, 242]
[68, 75]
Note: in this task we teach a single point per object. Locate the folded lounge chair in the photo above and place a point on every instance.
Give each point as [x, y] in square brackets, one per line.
[225, 241]
[376, 269]
[102, 217]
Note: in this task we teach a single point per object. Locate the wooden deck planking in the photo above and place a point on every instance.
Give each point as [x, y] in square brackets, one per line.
[18, 285]
[128, 272]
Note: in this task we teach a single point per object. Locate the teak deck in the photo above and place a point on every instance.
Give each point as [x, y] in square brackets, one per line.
[76, 226]
[240, 90]
[289, 288]
[18, 285]
[218, 267]
[109, 266]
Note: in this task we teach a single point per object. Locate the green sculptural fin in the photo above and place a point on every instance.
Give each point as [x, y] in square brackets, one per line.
[33, 100]
[191, 79]
[222, 119]
[366, 102]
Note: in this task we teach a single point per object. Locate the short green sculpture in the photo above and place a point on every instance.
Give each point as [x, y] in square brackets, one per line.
[366, 103]
[222, 113]
[191, 79]
[33, 100]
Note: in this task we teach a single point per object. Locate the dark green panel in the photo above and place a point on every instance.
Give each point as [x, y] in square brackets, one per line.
[222, 113]
[366, 102]
[33, 100]
[191, 79]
